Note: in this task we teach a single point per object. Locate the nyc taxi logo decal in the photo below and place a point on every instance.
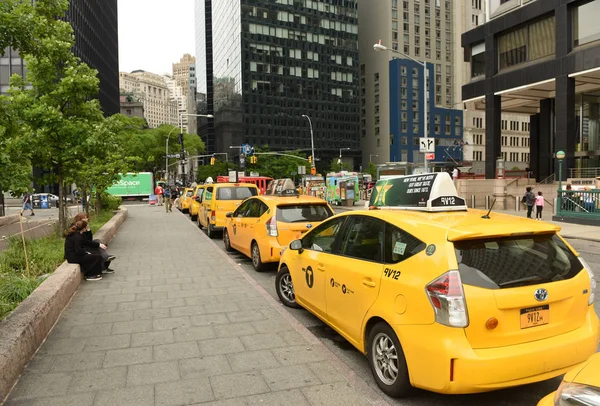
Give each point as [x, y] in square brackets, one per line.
[345, 289]
[309, 276]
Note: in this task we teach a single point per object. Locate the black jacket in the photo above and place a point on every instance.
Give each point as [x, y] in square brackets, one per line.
[76, 247]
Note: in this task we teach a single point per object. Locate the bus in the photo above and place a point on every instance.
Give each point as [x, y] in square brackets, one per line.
[261, 182]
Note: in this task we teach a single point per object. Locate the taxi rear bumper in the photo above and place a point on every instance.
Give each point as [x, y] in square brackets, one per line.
[270, 249]
[442, 359]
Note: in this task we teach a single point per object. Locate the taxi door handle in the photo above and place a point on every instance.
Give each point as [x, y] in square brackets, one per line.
[320, 267]
[368, 282]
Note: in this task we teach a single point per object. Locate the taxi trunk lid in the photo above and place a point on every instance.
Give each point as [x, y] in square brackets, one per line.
[295, 219]
[533, 285]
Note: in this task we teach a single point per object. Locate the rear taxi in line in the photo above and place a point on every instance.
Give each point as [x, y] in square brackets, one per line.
[183, 203]
[444, 298]
[262, 225]
[219, 199]
[195, 201]
[580, 386]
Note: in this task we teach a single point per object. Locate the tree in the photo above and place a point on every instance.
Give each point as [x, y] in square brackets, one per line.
[278, 166]
[334, 165]
[219, 168]
[57, 102]
[15, 165]
[372, 170]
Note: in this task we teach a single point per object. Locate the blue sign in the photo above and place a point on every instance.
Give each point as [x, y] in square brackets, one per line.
[247, 149]
[44, 202]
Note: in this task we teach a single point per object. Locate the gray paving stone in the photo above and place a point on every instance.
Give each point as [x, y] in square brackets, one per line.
[238, 385]
[128, 356]
[194, 333]
[153, 282]
[186, 310]
[122, 284]
[101, 292]
[234, 330]
[98, 379]
[152, 338]
[171, 323]
[142, 277]
[283, 398]
[292, 337]
[130, 297]
[193, 368]
[252, 360]
[78, 362]
[263, 341]
[227, 402]
[151, 295]
[333, 394]
[123, 315]
[87, 300]
[326, 372]
[245, 316]
[194, 286]
[93, 330]
[183, 392]
[167, 352]
[142, 305]
[221, 346]
[221, 307]
[79, 399]
[100, 309]
[137, 289]
[41, 385]
[63, 346]
[272, 325]
[150, 314]
[108, 343]
[77, 319]
[171, 287]
[161, 303]
[209, 319]
[131, 396]
[289, 377]
[296, 355]
[135, 326]
[40, 364]
[200, 300]
[146, 374]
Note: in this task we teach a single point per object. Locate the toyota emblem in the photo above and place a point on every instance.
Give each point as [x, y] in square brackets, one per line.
[309, 226]
[541, 295]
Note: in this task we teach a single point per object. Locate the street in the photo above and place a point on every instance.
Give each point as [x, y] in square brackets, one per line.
[524, 395]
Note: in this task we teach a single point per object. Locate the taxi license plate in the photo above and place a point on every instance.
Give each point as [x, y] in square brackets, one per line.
[535, 316]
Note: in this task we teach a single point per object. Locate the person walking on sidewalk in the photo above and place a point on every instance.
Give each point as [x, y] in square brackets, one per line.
[77, 251]
[529, 200]
[158, 191]
[27, 203]
[168, 202]
[539, 206]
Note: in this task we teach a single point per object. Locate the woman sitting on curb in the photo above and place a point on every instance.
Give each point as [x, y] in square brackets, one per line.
[77, 251]
[107, 258]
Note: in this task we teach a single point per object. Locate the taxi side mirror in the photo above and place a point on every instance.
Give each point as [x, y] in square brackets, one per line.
[229, 215]
[296, 245]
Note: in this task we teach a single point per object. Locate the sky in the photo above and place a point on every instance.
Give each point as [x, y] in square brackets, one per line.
[153, 34]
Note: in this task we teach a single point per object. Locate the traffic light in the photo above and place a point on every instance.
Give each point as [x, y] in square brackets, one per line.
[212, 160]
[253, 159]
[313, 171]
[180, 137]
[310, 159]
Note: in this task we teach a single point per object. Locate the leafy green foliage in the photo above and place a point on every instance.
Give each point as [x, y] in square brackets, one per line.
[107, 202]
[372, 171]
[219, 168]
[334, 166]
[278, 166]
[13, 290]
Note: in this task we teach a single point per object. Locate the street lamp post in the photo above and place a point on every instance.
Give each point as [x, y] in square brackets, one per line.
[312, 141]
[167, 156]
[560, 155]
[181, 131]
[342, 149]
[380, 47]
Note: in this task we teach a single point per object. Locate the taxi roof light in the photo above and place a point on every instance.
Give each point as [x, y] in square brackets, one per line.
[448, 300]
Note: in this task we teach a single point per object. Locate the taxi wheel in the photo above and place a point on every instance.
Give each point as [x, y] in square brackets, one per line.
[285, 288]
[194, 218]
[256, 261]
[226, 241]
[387, 361]
[209, 230]
[199, 223]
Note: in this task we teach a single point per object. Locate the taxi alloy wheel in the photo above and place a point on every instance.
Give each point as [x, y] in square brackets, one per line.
[226, 241]
[194, 218]
[256, 261]
[285, 288]
[387, 361]
[209, 230]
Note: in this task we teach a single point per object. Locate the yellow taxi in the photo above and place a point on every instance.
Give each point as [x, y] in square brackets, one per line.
[195, 201]
[183, 202]
[262, 225]
[219, 199]
[441, 297]
[580, 386]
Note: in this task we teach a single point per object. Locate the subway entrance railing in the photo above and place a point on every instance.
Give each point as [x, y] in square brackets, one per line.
[583, 204]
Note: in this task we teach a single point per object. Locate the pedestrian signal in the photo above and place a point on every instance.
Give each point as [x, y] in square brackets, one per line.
[212, 160]
[313, 171]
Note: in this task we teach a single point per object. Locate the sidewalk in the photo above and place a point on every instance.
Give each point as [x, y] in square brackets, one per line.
[181, 323]
[568, 230]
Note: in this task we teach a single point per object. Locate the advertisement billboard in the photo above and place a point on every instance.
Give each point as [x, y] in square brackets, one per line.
[132, 185]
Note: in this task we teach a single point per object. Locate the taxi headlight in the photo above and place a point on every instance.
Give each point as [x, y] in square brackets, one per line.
[573, 394]
[592, 280]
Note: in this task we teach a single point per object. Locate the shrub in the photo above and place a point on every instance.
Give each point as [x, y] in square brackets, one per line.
[108, 202]
[13, 290]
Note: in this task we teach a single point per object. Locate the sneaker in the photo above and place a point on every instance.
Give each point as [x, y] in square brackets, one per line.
[93, 278]
[33, 214]
[110, 258]
[108, 270]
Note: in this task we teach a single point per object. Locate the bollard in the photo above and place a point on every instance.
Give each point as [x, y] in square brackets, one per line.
[473, 201]
[555, 208]
[517, 205]
[487, 202]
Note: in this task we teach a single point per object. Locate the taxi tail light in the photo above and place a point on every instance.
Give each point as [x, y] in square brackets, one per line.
[593, 281]
[448, 300]
[272, 227]
[213, 216]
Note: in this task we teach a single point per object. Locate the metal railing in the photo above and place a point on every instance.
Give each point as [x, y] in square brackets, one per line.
[579, 204]
[584, 172]
[548, 181]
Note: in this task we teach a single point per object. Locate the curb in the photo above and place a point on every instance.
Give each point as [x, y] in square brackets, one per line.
[24, 330]
[574, 237]
[346, 371]
[10, 219]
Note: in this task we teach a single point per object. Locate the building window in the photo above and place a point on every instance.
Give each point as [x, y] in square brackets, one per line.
[529, 43]
[478, 60]
[585, 23]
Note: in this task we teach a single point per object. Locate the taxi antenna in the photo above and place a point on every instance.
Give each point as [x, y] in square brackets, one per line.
[487, 215]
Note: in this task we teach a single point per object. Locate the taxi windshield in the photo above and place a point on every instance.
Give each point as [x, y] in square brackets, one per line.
[189, 193]
[235, 193]
[303, 213]
[498, 263]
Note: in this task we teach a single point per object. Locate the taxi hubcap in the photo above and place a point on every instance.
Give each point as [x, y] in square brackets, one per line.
[255, 255]
[226, 238]
[287, 288]
[385, 358]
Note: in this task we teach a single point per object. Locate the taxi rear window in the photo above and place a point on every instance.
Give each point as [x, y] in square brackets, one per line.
[303, 213]
[498, 263]
[189, 193]
[235, 193]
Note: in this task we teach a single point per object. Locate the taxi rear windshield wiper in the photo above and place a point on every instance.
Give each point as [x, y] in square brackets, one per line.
[521, 280]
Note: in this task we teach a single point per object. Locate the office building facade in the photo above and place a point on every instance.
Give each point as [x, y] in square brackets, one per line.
[272, 63]
[95, 26]
[541, 58]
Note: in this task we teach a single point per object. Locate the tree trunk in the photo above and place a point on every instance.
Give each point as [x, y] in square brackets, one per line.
[98, 202]
[84, 200]
[61, 205]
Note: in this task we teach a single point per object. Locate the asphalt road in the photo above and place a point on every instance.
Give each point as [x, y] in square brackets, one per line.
[523, 395]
